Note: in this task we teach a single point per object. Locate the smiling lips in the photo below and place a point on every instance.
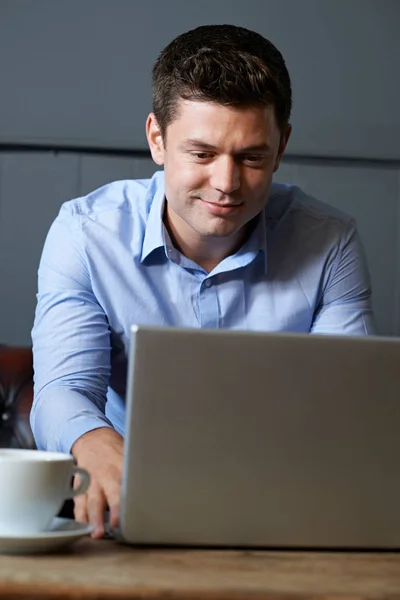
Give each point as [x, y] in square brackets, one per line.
[221, 209]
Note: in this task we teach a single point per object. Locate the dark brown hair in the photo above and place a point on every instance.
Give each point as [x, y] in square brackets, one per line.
[221, 63]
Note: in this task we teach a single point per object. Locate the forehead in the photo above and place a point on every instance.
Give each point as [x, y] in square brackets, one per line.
[220, 125]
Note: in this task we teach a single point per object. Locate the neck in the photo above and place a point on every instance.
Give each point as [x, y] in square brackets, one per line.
[206, 251]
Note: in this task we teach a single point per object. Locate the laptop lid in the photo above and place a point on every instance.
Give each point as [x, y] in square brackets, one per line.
[253, 439]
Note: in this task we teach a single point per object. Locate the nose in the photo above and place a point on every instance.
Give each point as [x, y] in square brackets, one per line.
[225, 175]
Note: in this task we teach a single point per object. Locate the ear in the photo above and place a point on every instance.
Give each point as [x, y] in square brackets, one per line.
[154, 139]
[282, 148]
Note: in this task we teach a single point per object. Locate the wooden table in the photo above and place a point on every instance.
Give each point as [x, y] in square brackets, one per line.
[107, 570]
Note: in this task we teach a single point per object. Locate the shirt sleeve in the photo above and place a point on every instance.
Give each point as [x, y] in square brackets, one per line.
[346, 306]
[71, 342]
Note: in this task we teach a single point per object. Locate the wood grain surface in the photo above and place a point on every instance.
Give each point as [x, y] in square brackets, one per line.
[100, 570]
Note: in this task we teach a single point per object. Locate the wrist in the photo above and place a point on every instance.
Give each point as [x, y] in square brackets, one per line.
[88, 438]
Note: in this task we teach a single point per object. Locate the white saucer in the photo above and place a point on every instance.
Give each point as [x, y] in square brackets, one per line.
[61, 533]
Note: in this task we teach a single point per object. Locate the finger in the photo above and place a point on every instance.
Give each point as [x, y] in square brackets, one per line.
[114, 515]
[113, 502]
[80, 509]
[96, 508]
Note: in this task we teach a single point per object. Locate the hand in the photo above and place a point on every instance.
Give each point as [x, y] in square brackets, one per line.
[100, 452]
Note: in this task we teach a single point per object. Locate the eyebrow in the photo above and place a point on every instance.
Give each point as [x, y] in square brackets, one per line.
[194, 143]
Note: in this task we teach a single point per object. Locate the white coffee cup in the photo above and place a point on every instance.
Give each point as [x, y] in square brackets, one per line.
[33, 487]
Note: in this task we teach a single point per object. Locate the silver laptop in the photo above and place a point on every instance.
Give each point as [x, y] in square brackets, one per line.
[245, 439]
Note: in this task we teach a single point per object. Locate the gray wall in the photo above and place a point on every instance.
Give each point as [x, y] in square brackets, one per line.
[78, 72]
[80, 69]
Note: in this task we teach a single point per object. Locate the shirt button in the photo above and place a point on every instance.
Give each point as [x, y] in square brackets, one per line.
[207, 283]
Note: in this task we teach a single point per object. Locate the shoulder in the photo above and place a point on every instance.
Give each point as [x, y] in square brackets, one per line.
[288, 204]
[129, 196]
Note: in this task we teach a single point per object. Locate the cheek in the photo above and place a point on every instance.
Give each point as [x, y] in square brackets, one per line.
[189, 176]
[181, 180]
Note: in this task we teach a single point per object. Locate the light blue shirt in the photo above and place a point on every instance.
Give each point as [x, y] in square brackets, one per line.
[108, 262]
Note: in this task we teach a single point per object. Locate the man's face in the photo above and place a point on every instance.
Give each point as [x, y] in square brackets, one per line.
[218, 164]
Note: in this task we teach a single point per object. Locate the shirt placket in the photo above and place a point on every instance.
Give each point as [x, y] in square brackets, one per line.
[208, 304]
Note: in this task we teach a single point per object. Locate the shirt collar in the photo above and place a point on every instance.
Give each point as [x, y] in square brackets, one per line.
[253, 246]
[154, 235]
[257, 241]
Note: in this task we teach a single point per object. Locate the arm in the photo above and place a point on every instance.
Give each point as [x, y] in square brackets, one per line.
[71, 345]
[345, 305]
[71, 342]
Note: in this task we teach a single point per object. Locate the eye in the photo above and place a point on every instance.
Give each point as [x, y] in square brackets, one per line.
[253, 159]
[201, 155]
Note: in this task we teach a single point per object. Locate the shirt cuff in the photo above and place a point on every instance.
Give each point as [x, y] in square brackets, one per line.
[79, 427]
[60, 416]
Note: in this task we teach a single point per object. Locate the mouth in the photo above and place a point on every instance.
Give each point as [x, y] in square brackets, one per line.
[221, 209]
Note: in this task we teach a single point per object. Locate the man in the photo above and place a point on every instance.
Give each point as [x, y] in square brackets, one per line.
[211, 242]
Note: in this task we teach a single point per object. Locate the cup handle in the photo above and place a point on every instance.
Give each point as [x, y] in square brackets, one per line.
[84, 484]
